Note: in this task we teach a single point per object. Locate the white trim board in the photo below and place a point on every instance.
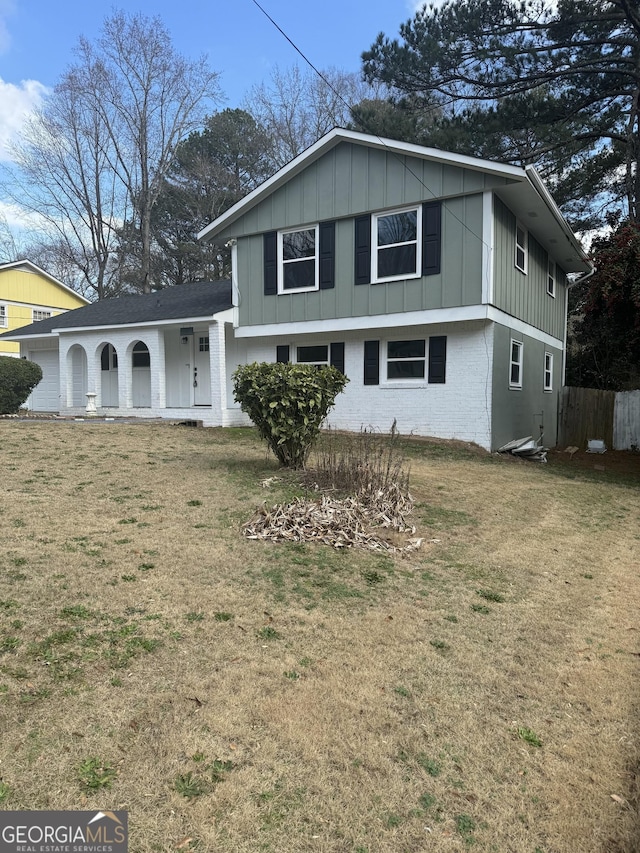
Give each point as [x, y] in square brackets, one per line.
[406, 318]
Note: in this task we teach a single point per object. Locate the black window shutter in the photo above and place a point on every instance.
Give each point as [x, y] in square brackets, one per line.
[327, 255]
[282, 353]
[431, 237]
[337, 356]
[270, 248]
[438, 359]
[372, 362]
[363, 250]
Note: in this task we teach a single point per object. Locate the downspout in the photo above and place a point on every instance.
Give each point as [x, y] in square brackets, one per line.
[235, 292]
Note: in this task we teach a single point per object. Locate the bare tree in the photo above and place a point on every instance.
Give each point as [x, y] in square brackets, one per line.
[296, 107]
[64, 176]
[148, 98]
[97, 154]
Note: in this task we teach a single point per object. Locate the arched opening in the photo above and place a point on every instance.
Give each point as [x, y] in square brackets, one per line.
[141, 375]
[109, 376]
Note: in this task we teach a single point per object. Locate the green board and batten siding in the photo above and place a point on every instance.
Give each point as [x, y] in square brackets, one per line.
[516, 413]
[520, 295]
[347, 181]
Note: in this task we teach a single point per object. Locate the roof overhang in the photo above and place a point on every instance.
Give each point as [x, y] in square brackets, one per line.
[224, 316]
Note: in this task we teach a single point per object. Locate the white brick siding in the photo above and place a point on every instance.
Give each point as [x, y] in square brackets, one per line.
[460, 408]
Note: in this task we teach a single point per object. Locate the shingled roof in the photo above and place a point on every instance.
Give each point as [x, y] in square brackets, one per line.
[185, 301]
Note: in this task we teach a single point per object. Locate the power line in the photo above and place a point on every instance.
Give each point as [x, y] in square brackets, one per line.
[401, 160]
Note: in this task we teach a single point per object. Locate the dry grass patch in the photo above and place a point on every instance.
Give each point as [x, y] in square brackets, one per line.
[251, 696]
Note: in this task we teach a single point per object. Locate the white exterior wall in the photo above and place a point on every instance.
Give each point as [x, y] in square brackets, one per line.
[460, 408]
[169, 377]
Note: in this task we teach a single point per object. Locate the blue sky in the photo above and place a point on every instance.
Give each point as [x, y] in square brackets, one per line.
[37, 38]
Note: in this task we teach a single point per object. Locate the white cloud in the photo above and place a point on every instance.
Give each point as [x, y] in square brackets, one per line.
[16, 103]
[18, 219]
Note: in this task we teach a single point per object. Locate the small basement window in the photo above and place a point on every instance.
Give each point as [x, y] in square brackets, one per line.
[515, 366]
[548, 371]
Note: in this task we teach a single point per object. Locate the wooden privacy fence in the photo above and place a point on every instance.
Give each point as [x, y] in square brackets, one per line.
[587, 413]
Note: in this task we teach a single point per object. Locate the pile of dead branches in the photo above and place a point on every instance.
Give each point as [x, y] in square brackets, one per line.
[340, 522]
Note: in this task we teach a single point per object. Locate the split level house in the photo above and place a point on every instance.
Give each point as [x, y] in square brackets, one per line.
[436, 282]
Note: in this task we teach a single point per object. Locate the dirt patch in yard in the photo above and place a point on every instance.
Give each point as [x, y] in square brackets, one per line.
[618, 463]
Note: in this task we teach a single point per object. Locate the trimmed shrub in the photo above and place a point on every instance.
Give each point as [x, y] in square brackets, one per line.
[288, 403]
[18, 378]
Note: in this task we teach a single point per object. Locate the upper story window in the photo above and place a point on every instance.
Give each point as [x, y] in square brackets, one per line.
[298, 260]
[40, 315]
[551, 278]
[515, 365]
[3, 316]
[396, 245]
[521, 248]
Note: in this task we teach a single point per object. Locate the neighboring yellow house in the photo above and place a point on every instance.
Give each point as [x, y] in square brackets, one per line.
[28, 294]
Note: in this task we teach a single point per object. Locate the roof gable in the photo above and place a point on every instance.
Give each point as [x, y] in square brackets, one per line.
[522, 190]
[26, 265]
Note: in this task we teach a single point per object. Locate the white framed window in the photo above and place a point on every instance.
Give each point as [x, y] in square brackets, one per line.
[140, 357]
[203, 343]
[298, 260]
[38, 314]
[3, 317]
[521, 259]
[108, 358]
[406, 359]
[548, 371]
[515, 364]
[396, 244]
[317, 354]
[551, 278]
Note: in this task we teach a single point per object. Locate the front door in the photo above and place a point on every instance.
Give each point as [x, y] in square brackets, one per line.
[201, 370]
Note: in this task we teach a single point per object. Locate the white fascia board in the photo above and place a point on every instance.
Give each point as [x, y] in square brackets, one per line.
[543, 192]
[203, 320]
[225, 316]
[46, 336]
[405, 318]
[332, 139]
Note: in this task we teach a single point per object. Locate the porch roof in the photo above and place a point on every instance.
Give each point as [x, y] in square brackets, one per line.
[201, 299]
